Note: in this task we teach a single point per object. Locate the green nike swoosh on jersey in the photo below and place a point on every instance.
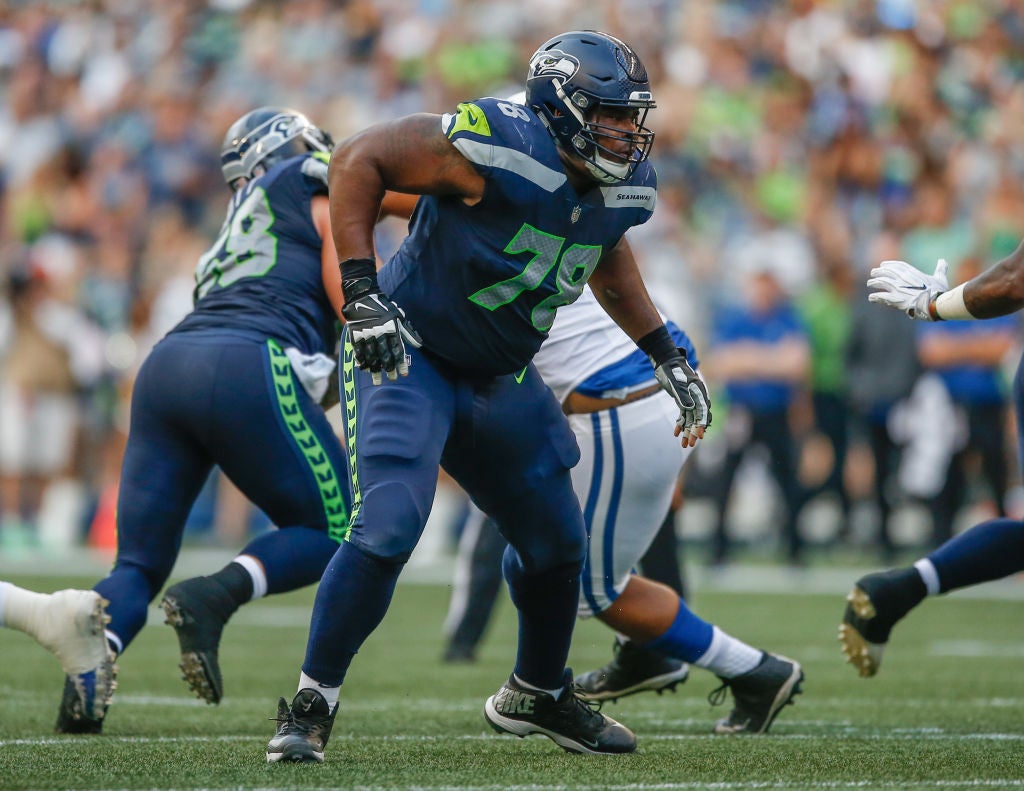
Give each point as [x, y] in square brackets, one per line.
[519, 377]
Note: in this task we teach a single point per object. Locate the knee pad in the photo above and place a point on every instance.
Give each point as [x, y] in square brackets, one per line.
[390, 521]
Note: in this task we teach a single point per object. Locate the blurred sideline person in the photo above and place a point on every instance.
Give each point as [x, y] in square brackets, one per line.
[70, 625]
[761, 356]
[521, 207]
[988, 551]
[625, 481]
[237, 383]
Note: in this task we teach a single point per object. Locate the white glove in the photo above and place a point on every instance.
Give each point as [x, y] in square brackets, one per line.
[904, 287]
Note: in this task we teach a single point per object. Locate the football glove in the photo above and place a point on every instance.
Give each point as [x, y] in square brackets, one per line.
[904, 287]
[379, 331]
[691, 395]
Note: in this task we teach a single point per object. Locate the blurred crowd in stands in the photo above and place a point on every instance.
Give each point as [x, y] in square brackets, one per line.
[799, 142]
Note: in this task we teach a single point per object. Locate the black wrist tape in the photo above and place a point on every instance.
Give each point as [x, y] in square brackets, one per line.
[358, 277]
[659, 346]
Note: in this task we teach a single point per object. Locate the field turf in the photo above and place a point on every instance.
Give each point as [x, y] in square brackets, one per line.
[945, 712]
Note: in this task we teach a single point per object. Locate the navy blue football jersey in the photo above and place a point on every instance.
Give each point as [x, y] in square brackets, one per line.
[262, 276]
[481, 283]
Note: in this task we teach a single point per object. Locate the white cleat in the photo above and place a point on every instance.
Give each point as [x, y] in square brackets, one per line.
[71, 626]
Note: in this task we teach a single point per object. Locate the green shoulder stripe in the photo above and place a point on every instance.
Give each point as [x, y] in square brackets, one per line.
[470, 118]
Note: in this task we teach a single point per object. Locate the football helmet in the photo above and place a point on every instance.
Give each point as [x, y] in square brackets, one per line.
[574, 74]
[264, 136]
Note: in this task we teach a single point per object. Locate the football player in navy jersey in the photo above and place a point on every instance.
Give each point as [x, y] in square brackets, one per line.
[237, 384]
[521, 207]
[987, 551]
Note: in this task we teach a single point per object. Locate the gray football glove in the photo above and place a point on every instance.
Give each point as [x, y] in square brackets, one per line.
[685, 385]
[904, 287]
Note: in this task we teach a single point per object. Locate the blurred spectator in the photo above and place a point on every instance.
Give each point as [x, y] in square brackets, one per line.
[760, 359]
[826, 312]
[53, 350]
[881, 367]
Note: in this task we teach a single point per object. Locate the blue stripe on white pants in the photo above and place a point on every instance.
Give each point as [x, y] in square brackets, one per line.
[627, 472]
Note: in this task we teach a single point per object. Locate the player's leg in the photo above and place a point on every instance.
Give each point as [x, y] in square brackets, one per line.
[625, 482]
[475, 586]
[988, 551]
[396, 432]
[161, 474]
[276, 445]
[514, 461]
[70, 624]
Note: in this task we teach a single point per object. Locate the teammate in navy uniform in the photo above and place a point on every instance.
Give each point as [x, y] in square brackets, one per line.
[988, 551]
[522, 206]
[237, 384]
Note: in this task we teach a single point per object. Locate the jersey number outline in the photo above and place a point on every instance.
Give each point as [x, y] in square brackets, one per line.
[246, 246]
[575, 265]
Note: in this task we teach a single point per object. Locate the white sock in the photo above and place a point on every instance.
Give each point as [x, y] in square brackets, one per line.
[929, 575]
[552, 692]
[257, 574]
[331, 694]
[20, 609]
[728, 657]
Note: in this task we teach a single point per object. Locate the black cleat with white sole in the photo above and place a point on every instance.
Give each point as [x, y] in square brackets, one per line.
[303, 729]
[759, 695]
[632, 669]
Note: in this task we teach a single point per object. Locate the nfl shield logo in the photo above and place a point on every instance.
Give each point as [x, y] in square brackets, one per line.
[576, 212]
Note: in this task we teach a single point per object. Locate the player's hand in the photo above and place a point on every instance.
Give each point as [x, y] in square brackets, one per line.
[379, 331]
[904, 287]
[691, 395]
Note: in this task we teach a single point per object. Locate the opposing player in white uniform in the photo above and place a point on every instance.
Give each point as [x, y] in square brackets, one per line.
[624, 481]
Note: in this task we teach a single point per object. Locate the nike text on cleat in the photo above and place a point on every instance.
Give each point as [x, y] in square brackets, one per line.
[573, 724]
[303, 729]
[758, 695]
[196, 609]
[632, 669]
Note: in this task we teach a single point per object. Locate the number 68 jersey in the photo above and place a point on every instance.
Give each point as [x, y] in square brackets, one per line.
[263, 275]
[481, 283]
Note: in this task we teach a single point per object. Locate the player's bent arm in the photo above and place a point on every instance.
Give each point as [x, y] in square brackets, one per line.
[320, 209]
[999, 290]
[620, 290]
[394, 205]
[409, 155]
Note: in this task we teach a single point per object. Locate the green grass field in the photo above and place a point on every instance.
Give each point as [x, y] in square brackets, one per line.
[946, 711]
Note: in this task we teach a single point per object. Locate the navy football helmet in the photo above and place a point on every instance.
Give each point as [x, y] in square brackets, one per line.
[575, 73]
[264, 136]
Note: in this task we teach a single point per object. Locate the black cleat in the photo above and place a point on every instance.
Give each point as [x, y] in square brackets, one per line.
[75, 717]
[632, 669]
[572, 723]
[302, 729]
[758, 695]
[198, 609]
[873, 607]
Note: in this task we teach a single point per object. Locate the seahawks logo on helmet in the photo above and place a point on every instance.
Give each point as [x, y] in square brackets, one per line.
[554, 62]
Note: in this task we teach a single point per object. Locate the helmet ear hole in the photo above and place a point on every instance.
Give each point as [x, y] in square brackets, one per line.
[264, 136]
[571, 78]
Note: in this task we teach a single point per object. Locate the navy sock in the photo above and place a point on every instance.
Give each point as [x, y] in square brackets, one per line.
[129, 592]
[353, 597]
[688, 638]
[292, 557]
[989, 551]
[547, 604]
